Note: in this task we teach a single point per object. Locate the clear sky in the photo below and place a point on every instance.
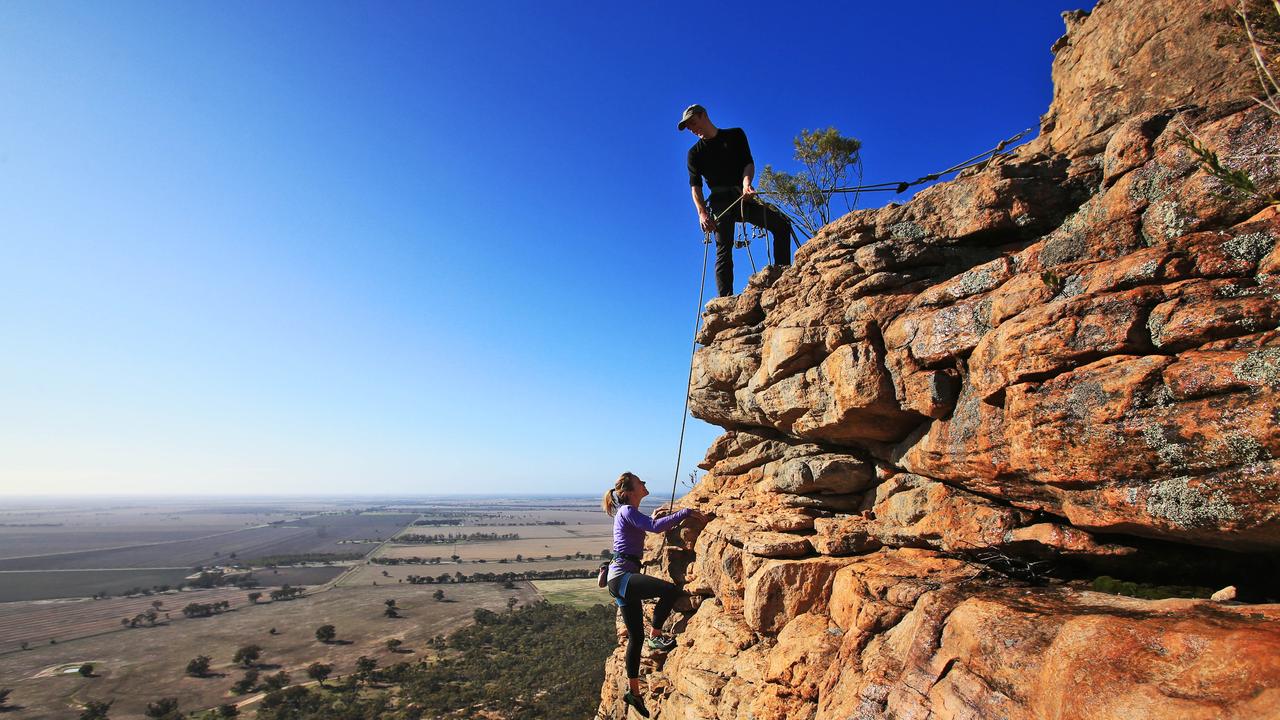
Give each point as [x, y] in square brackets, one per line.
[394, 247]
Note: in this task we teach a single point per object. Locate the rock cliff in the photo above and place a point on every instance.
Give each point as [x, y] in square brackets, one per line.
[950, 417]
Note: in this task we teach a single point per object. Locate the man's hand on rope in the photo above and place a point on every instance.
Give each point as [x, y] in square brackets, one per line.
[705, 220]
[748, 192]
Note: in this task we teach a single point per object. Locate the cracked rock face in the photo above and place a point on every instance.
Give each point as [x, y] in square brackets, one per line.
[948, 416]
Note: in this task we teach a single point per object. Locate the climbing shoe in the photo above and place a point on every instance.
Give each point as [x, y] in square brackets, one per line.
[662, 643]
[636, 702]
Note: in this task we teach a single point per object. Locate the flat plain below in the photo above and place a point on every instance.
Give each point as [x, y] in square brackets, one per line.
[134, 667]
[71, 550]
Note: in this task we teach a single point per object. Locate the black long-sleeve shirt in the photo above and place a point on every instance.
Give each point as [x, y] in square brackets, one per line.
[720, 159]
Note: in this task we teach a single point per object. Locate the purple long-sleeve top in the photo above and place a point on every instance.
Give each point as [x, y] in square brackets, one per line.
[629, 527]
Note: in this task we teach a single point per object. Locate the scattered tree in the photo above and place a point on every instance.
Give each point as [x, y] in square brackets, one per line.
[227, 710]
[394, 644]
[198, 666]
[275, 682]
[247, 655]
[326, 633]
[26, 645]
[511, 603]
[318, 672]
[391, 612]
[389, 602]
[96, 710]
[86, 670]
[365, 665]
[254, 597]
[247, 683]
[438, 595]
[4, 696]
[163, 709]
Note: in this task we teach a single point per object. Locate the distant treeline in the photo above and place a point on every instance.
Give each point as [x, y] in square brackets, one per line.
[436, 522]
[416, 560]
[305, 559]
[458, 577]
[446, 539]
[30, 524]
[205, 609]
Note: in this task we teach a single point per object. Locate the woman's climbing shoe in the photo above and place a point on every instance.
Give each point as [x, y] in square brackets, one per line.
[636, 702]
[662, 643]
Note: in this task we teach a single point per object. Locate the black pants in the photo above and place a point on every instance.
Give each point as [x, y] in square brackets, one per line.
[642, 587]
[754, 213]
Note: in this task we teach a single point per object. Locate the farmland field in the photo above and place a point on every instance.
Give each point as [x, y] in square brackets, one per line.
[305, 575]
[49, 584]
[508, 549]
[579, 593]
[39, 622]
[64, 550]
[336, 533]
[150, 663]
[27, 528]
[369, 574]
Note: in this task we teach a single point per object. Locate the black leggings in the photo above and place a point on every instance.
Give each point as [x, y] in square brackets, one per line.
[642, 587]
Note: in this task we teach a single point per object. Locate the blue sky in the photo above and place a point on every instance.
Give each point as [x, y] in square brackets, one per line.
[403, 247]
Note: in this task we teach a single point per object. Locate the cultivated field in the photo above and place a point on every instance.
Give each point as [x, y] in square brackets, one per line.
[579, 593]
[337, 533]
[141, 665]
[49, 584]
[302, 575]
[80, 550]
[508, 549]
[369, 574]
[39, 622]
[30, 528]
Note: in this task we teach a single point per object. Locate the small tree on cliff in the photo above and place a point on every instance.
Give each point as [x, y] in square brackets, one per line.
[1254, 23]
[326, 633]
[830, 161]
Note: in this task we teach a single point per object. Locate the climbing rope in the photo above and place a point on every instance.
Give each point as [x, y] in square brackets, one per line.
[697, 325]
[900, 187]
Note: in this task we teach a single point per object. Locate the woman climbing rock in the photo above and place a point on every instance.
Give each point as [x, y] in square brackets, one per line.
[628, 586]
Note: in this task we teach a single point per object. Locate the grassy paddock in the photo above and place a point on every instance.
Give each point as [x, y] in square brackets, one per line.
[578, 593]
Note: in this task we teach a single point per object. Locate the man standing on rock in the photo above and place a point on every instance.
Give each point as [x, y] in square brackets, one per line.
[723, 158]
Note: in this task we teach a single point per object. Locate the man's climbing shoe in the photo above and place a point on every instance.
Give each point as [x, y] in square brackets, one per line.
[662, 643]
[636, 702]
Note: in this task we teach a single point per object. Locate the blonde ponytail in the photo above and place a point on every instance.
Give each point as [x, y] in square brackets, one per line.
[615, 497]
